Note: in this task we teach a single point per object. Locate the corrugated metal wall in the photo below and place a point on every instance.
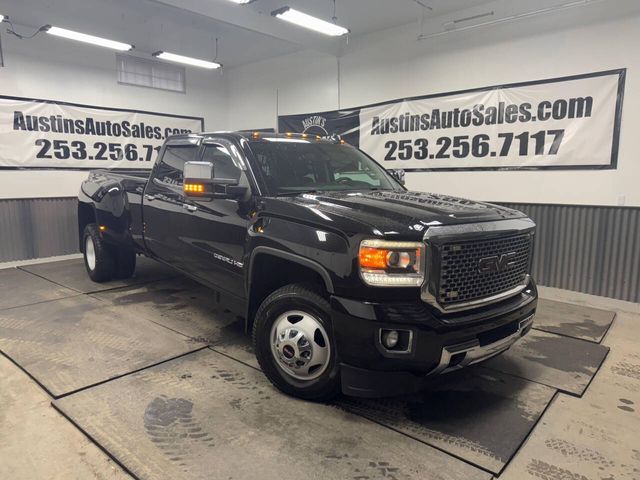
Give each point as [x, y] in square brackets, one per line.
[587, 249]
[37, 227]
[582, 248]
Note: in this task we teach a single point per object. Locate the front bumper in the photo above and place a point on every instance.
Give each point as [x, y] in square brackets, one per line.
[438, 344]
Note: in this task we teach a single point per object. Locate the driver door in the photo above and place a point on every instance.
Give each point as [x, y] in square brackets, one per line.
[217, 229]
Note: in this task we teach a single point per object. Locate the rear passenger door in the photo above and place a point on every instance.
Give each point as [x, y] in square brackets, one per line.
[164, 209]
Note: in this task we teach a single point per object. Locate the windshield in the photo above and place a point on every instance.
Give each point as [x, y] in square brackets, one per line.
[291, 166]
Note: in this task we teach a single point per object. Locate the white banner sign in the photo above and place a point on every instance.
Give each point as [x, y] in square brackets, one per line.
[46, 134]
[570, 122]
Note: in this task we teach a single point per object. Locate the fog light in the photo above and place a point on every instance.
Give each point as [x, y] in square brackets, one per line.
[390, 338]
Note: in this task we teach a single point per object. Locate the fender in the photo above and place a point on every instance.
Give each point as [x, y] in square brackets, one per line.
[324, 274]
[305, 262]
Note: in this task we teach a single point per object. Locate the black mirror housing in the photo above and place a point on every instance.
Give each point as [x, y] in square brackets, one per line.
[228, 188]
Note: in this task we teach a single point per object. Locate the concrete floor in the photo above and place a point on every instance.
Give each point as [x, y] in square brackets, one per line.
[36, 442]
[588, 437]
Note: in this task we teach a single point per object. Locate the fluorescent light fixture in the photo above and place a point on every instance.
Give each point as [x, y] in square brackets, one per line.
[172, 57]
[510, 18]
[307, 21]
[83, 37]
[241, 2]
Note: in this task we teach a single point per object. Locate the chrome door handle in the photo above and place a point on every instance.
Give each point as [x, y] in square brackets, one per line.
[149, 198]
[191, 208]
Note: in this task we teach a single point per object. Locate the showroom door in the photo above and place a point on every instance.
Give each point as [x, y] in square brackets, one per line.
[217, 229]
[164, 211]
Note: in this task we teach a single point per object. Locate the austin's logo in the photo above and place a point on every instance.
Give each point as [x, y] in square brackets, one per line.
[497, 263]
[315, 125]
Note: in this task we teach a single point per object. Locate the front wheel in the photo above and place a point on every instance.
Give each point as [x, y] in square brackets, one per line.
[293, 341]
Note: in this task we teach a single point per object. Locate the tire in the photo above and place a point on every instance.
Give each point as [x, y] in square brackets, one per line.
[98, 257]
[125, 264]
[319, 378]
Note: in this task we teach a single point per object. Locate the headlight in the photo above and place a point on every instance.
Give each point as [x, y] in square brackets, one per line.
[392, 264]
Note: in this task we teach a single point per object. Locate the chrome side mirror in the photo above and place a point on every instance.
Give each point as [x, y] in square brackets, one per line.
[198, 180]
[200, 183]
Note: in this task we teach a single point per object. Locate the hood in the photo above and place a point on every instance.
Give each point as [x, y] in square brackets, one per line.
[393, 213]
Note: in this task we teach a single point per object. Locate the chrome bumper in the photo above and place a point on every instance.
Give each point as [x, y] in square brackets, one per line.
[465, 354]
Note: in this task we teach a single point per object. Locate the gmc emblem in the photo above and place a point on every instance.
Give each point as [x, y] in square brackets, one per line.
[497, 263]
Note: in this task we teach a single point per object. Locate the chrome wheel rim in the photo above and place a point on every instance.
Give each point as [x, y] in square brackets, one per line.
[90, 253]
[300, 345]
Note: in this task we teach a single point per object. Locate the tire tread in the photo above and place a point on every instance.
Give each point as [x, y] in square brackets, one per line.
[310, 294]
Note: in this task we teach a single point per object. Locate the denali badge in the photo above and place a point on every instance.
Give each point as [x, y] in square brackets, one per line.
[497, 263]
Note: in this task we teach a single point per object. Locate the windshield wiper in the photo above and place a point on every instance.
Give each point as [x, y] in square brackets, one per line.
[298, 192]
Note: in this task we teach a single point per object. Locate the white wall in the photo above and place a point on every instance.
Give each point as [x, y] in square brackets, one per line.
[381, 66]
[392, 64]
[60, 70]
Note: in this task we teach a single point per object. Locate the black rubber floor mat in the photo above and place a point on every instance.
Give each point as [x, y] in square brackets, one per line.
[479, 415]
[19, 288]
[179, 304]
[74, 342]
[207, 416]
[72, 274]
[576, 321]
[565, 363]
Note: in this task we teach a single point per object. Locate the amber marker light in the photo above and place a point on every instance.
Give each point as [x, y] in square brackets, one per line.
[373, 257]
[102, 228]
[194, 188]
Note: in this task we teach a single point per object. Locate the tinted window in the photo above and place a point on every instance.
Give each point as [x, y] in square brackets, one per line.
[223, 165]
[171, 167]
[291, 166]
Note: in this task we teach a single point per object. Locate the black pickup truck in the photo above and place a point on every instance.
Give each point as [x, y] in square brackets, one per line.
[347, 281]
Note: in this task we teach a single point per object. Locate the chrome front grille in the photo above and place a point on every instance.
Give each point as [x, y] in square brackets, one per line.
[478, 269]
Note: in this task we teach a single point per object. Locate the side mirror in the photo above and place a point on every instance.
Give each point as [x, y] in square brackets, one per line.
[228, 188]
[398, 174]
[199, 183]
[198, 180]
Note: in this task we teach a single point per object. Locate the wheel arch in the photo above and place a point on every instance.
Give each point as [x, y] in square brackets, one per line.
[270, 269]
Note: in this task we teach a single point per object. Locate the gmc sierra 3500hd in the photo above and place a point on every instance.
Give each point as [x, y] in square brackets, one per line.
[348, 281]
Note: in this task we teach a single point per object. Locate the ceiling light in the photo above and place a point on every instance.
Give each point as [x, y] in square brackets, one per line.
[83, 37]
[307, 21]
[241, 2]
[172, 57]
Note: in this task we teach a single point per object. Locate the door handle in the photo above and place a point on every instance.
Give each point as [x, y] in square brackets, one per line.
[190, 208]
[149, 198]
